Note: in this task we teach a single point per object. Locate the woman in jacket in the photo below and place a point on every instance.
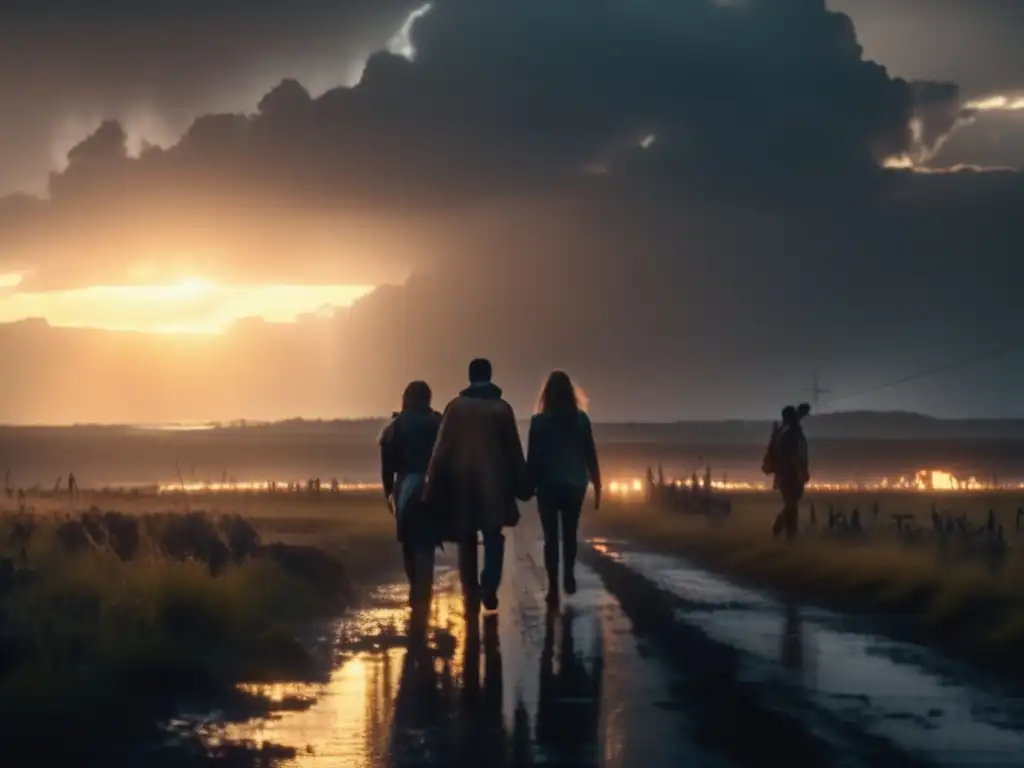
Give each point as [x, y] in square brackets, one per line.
[405, 448]
[562, 461]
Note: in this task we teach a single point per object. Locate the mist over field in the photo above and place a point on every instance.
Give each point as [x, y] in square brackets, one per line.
[847, 447]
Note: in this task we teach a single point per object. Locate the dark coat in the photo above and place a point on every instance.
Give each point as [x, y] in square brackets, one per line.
[478, 469]
[406, 445]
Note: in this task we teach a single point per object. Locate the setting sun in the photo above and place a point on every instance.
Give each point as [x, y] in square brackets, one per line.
[189, 306]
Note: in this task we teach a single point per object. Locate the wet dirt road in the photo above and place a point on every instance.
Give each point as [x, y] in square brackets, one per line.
[651, 663]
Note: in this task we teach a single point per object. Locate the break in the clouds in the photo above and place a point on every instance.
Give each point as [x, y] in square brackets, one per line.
[685, 197]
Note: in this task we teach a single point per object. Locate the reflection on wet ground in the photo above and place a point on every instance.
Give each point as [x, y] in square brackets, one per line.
[522, 686]
[651, 663]
[897, 691]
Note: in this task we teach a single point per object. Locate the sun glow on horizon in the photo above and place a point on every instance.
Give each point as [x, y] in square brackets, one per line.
[189, 306]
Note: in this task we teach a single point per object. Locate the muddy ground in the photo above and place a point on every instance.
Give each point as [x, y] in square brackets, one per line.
[653, 662]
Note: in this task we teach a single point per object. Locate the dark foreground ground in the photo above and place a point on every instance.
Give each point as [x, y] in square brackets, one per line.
[652, 663]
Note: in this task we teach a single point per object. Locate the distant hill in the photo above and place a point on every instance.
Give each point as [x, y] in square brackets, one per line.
[898, 425]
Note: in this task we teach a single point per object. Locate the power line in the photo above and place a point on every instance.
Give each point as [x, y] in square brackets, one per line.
[997, 352]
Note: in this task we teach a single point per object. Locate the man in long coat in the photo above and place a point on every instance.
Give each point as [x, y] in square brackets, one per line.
[476, 473]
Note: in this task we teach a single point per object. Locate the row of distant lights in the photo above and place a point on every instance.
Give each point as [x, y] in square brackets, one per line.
[925, 480]
[260, 486]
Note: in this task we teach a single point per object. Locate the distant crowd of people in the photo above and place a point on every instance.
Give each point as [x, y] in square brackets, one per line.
[458, 475]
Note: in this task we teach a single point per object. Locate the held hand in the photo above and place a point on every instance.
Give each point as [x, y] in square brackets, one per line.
[391, 503]
[597, 497]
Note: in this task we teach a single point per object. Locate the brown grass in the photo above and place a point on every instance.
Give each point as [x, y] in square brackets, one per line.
[89, 639]
[955, 599]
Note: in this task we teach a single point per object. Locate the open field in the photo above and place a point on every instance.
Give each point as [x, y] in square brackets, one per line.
[113, 616]
[39, 457]
[961, 590]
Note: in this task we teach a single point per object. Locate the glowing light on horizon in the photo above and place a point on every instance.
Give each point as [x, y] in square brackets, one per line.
[189, 306]
[926, 480]
[261, 486]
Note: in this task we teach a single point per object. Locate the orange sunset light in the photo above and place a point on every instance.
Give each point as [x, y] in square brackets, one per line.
[188, 306]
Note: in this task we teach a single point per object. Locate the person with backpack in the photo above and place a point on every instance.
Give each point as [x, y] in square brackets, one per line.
[406, 445]
[787, 460]
[562, 462]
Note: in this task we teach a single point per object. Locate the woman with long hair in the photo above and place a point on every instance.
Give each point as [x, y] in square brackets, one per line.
[562, 460]
[405, 448]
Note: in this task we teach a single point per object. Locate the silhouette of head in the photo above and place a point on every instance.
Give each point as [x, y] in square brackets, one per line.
[480, 371]
[417, 396]
[802, 410]
[789, 415]
[560, 397]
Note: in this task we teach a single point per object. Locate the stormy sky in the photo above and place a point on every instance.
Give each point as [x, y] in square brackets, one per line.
[691, 204]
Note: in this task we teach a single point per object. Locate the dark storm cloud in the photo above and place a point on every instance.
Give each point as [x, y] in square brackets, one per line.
[506, 99]
[65, 65]
[757, 234]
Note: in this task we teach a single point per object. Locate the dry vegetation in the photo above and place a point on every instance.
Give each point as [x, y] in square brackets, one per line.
[963, 588]
[113, 617]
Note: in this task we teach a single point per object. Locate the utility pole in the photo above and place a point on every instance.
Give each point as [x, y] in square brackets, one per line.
[817, 391]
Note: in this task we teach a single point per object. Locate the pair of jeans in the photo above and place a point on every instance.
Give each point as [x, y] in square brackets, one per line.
[489, 579]
[560, 504]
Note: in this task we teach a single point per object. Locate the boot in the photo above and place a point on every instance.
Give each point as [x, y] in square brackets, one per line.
[554, 597]
[570, 581]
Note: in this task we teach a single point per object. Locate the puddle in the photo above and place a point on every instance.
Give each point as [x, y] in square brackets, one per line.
[886, 688]
[444, 690]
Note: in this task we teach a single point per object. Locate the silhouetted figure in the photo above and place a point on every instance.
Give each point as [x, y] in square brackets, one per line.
[406, 445]
[334, 485]
[72, 486]
[789, 465]
[316, 487]
[476, 474]
[562, 461]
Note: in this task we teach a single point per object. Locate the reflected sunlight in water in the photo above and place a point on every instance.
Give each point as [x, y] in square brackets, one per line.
[383, 659]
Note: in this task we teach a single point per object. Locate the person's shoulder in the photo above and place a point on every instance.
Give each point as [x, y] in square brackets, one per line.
[388, 432]
[584, 419]
[453, 403]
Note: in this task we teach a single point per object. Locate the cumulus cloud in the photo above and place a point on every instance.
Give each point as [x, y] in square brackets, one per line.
[66, 66]
[504, 99]
[758, 231]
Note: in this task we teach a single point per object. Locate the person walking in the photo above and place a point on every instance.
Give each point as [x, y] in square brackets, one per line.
[788, 462]
[406, 445]
[562, 461]
[477, 472]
